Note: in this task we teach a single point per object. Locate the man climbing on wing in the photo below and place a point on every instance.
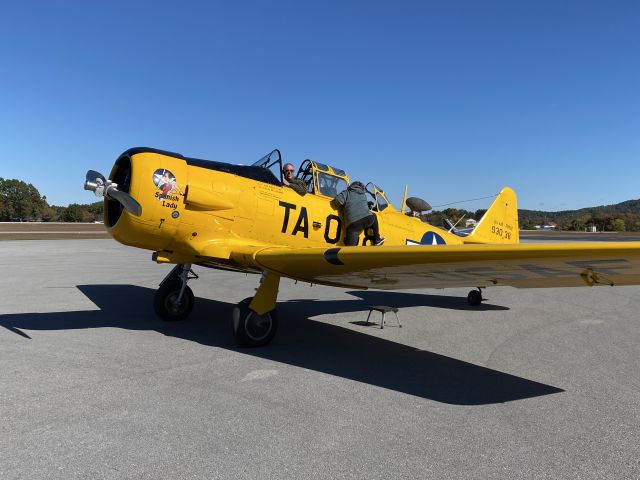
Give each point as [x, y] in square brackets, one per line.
[356, 214]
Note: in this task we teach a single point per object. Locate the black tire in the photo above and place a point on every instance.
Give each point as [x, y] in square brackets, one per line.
[474, 298]
[251, 329]
[164, 301]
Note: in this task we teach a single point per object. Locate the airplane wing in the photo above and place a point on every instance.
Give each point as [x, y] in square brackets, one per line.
[444, 266]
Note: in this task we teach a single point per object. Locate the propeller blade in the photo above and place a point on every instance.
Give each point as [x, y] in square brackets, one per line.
[127, 201]
[96, 183]
[92, 175]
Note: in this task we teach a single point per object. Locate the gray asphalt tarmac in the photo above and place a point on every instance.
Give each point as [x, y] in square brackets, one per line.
[533, 384]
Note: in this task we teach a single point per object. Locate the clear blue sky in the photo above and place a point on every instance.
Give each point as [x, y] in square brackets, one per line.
[456, 98]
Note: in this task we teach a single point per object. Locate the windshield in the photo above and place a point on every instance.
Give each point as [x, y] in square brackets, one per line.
[305, 173]
[272, 161]
[379, 201]
[330, 185]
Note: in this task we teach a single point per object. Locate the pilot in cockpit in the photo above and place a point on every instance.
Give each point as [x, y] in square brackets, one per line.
[290, 181]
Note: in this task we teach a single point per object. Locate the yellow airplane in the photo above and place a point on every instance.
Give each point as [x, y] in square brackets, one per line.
[243, 218]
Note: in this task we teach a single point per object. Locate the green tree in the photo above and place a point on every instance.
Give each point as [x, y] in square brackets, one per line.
[49, 214]
[73, 213]
[479, 213]
[632, 223]
[20, 201]
[95, 211]
[578, 225]
[601, 222]
[618, 225]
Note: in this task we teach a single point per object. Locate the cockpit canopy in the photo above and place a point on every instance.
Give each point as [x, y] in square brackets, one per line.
[273, 162]
[320, 178]
[323, 179]
[379, 201]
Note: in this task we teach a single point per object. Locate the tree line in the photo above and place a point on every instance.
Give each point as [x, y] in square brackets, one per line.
[622, 217]
[22, 202]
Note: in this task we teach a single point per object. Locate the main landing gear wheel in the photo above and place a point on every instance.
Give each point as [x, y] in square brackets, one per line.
[251, 329]
[474, 298]
[165, 301]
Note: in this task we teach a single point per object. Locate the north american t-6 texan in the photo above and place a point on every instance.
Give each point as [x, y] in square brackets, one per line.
[244, 218]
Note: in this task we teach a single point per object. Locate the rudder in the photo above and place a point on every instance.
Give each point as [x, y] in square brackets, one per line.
[499, 225]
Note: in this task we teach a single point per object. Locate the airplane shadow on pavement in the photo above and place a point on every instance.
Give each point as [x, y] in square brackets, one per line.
[306, 343]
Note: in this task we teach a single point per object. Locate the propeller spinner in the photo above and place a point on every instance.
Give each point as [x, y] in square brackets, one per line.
[98, 184]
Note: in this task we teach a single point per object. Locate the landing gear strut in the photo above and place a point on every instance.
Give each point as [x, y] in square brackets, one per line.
[174, 299]
[255, 320]
[251, 329]
[475, 297]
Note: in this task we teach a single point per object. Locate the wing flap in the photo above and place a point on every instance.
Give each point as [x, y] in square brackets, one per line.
[443, 266]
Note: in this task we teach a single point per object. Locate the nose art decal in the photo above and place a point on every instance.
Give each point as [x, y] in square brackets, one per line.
[166, 183]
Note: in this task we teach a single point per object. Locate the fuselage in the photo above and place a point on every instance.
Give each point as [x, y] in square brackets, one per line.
[190, 207]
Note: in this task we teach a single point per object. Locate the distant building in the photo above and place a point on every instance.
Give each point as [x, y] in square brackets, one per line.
[470, 223]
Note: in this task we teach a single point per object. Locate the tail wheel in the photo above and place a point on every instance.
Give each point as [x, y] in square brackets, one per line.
[251, 329]
[474, 298]
[166, 305]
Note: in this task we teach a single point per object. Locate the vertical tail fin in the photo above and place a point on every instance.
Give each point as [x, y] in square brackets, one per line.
[500, 223]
